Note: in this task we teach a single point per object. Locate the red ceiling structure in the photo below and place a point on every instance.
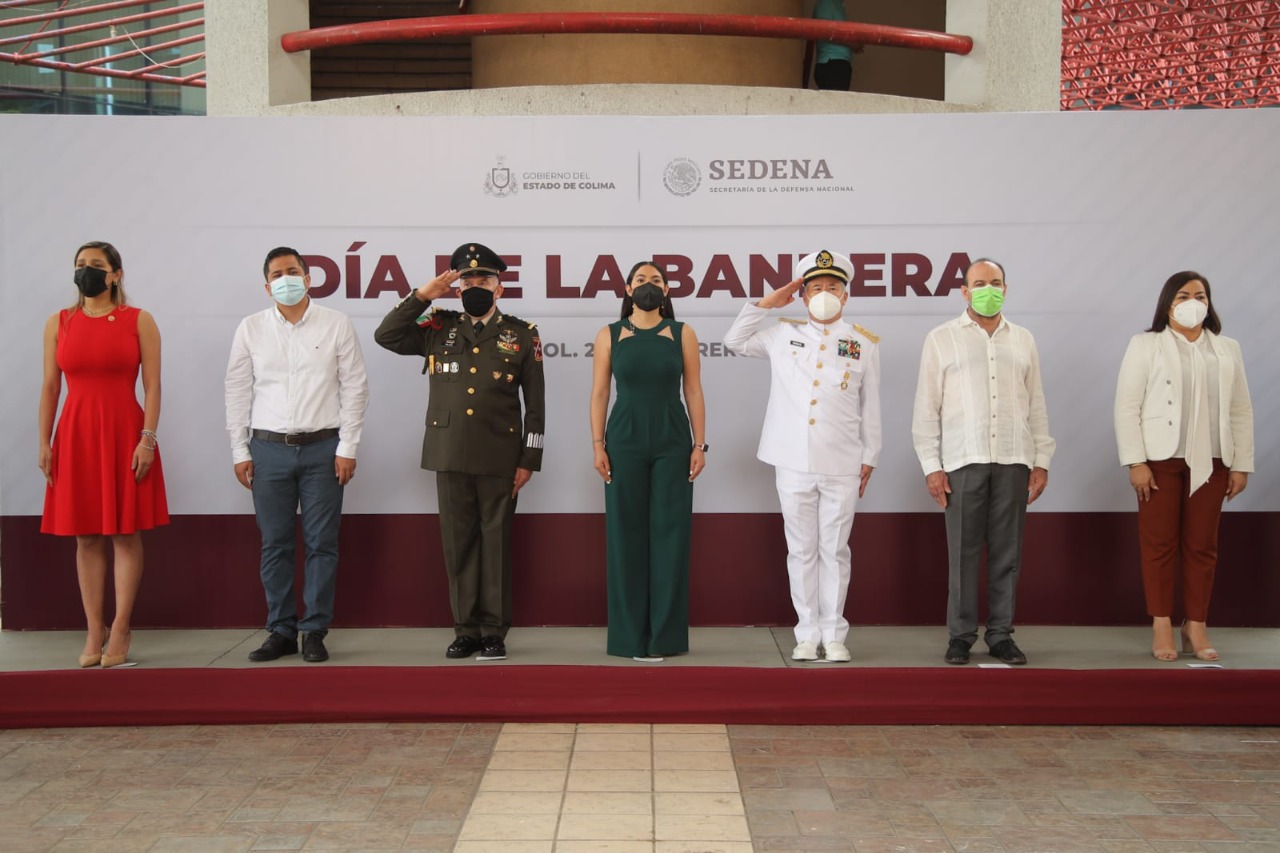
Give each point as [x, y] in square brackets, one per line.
[1148, 55]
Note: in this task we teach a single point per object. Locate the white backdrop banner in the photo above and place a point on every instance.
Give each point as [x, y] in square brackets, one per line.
[1089, 213]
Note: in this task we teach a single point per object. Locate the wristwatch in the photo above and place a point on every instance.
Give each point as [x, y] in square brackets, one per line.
[703, 447]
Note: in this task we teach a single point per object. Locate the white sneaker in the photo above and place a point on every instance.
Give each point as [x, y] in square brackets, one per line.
[805, 651]
[836, 652]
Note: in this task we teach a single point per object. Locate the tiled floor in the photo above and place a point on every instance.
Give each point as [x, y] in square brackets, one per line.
[611, 786]
[571, 788]
[568, 788]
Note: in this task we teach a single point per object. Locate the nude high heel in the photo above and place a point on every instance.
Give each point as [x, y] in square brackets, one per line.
[109, 661]
[1161, 648]
[94, 658]
[1208, 653]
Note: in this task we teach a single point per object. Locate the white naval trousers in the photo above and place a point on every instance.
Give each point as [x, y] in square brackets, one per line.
[817, 515]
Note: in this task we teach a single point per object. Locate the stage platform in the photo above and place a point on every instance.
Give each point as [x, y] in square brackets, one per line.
[732, 675]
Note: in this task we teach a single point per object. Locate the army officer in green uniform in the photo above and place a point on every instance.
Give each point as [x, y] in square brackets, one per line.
[480, 362]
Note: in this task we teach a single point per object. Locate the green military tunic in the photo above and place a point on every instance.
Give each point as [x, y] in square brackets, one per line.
[475, 439]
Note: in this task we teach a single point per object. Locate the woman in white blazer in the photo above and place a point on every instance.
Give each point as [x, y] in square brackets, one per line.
[1184, 426]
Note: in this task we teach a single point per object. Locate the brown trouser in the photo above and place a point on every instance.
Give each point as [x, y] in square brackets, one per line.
[1174, 524]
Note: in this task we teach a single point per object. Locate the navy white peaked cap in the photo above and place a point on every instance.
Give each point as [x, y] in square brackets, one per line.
[826, 263]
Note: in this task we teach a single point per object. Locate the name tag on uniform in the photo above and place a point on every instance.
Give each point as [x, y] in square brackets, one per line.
[797, 343]
[849, 348]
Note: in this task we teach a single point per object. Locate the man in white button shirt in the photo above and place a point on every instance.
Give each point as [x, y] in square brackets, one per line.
[296, 393]
[981, 432]
[822, 435]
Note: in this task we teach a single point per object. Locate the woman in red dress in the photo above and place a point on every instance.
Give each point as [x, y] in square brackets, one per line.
[102, 465]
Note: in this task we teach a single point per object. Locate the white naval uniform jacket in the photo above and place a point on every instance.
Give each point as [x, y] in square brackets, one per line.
[1148, 409]
[823, 415]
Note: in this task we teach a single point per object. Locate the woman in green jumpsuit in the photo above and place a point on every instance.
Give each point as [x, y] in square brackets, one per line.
[649, 453]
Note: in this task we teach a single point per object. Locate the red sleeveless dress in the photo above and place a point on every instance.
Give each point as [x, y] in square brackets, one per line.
[94, 490]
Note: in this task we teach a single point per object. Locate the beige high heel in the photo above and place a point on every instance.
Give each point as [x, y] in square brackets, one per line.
[1208, 653]
[94, 658]
[109, 661]
[1162, 649]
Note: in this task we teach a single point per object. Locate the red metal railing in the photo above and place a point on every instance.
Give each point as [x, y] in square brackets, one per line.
[455, 26]
[150, 72]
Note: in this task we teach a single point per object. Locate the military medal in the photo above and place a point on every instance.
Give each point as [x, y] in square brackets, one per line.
[508, 341]
[849, 348]
[497, 374]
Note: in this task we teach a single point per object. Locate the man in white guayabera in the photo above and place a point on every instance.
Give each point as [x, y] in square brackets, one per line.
[981, 431]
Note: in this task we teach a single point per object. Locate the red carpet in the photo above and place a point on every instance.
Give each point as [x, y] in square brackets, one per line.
[141, 697]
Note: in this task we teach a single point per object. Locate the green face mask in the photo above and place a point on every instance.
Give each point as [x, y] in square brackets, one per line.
[986, 301]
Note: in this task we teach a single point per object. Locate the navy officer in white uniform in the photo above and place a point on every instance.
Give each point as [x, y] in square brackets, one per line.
[822, 435]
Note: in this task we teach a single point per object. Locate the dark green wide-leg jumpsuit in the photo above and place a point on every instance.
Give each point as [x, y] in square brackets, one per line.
[649, 504]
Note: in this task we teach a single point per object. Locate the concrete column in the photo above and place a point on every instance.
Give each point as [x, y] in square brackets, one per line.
[1016, 62]
[248, 71]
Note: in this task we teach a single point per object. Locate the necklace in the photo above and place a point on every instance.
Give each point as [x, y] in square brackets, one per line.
[107, 310]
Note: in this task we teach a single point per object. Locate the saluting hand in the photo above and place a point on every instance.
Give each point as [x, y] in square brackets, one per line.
[438, 286]
[784, 295]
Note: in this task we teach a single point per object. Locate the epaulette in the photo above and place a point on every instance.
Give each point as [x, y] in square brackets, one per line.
[514, 319]
[871, 336]
[792, 320]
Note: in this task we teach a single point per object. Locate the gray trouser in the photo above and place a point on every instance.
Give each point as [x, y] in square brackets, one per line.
[987, 504]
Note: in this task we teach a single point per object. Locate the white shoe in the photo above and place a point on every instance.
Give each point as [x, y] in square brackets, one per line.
[648, 659]
[836, 652]
[805, 651]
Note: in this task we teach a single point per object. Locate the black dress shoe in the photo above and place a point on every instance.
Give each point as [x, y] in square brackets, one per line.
[957, 652]
[273, 647]
[463, 647]
[492, 648]
[1007, 651]
[313, 650]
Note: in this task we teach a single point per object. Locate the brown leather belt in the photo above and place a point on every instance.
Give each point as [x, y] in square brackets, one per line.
[295, 439]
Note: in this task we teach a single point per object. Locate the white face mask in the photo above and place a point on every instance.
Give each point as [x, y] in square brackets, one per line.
[288, 289]
[1191, 313]
[824, 306]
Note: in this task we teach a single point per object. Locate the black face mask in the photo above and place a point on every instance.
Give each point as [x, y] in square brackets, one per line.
[91, 281]
[647, 297]
[477, 301]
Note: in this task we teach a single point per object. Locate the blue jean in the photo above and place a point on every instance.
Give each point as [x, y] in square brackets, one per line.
[285, 478]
